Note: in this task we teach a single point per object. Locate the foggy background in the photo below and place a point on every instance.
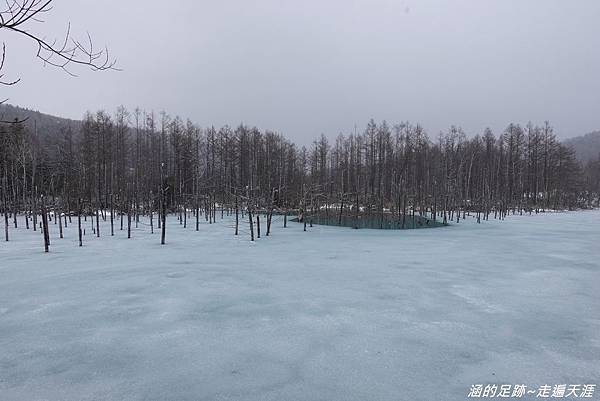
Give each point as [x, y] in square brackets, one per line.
[304, 68]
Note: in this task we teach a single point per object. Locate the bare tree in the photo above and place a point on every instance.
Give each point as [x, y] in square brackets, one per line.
[19, 16]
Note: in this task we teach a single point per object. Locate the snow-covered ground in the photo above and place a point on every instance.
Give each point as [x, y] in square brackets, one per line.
[330, 314]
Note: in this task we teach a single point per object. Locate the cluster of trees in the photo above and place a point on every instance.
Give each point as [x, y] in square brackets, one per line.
[140, 164]
[135, 164]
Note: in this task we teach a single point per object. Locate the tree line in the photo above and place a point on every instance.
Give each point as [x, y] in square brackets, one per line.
[129, 165]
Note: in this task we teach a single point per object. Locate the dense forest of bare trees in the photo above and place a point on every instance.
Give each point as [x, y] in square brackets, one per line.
[135, 165]
[126, 167]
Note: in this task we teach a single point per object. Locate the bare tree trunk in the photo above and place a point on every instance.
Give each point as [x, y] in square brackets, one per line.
[97, 223]
[60, 227]
[112, 213]
[128, 219]
[5, 208]
[404, 203]
[251, 224]
[164, 218]
[151, 214]
[258, 224]
[79, 222]
[197, 214]
[121, 211]
[15, 207]
[269, 217]
[356, 212]
[341, 211]
[67, 213]
[159, 214]
[45, 227]
[34, 206]
[237, 215]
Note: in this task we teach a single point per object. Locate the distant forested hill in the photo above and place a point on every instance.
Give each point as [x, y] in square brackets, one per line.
[47, 126]
[587, 147]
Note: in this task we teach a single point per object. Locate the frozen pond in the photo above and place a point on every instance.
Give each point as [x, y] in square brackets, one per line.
[330, 314]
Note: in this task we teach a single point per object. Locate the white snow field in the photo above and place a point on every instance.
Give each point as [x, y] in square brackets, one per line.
[330, 314]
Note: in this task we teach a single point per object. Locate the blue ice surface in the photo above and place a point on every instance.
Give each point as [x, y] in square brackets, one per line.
[328, 314]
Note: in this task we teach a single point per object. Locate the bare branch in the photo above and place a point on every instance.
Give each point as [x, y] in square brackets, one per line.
[6, 83]
[70, 51]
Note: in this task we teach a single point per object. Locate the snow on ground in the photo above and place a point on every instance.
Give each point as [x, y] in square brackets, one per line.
[330, 314]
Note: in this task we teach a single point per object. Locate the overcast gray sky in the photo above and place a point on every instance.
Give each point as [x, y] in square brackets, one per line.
[308, 67]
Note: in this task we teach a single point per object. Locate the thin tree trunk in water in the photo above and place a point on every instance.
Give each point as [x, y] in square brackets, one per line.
[60, 228]
[206, 209]
[197, 214]
[399, 207]
[164, 218]
[15, 212]
[445, 210]
[356, 212]
[404, 202]
[34, 208]
[5, 209]
[45, 227]
[237, 216]
[79, 222]
[24, 197]
[151, 220]
[5, 224]
[251, 225]
[159, 214]
[128, 220]
[341, 211]
[97, 223]
[151, 206]
[258, 225]
[381, 213]
[434, 208]
[112, 213]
